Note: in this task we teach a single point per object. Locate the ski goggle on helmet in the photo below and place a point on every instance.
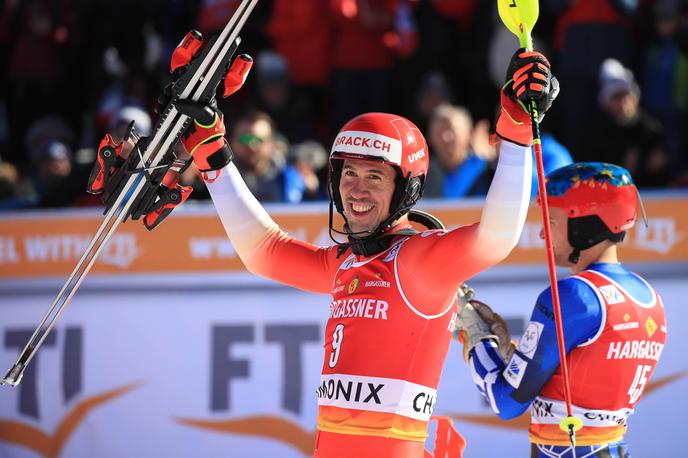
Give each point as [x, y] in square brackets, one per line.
[600, 200]
[388, 139]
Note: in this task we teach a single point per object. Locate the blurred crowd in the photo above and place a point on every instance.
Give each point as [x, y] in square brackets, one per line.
[72, 70]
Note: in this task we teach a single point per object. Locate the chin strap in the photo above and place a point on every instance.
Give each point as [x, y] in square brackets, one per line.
[370, 246]
[374, 244]
[587, 231]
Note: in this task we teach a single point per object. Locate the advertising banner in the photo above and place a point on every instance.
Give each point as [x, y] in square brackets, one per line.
[48, 244]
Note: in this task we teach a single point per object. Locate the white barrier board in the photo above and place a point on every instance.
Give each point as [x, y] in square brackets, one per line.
[225, 371]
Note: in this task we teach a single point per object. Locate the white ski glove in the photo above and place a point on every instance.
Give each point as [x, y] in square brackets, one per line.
[498, 327]
[476, 322]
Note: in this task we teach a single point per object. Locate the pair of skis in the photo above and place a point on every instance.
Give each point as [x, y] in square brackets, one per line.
[132, 186]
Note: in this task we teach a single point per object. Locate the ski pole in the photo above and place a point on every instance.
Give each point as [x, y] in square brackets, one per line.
[520, 16]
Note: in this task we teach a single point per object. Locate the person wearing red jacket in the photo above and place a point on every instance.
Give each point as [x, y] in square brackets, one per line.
[361, 60]
[301, 33]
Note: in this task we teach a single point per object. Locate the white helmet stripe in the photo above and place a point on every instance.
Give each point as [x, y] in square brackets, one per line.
[368, 144]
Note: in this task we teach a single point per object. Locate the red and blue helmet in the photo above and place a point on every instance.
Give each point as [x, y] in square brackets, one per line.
[595, 188]
[599, 199]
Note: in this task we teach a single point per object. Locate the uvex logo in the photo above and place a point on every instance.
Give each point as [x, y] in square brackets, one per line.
[417, 155]
[25, 434]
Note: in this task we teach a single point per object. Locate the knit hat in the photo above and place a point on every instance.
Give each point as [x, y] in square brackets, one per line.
[614, 79]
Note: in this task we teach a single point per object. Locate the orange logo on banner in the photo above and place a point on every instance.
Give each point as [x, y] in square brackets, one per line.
[275, 428]
[19, 433]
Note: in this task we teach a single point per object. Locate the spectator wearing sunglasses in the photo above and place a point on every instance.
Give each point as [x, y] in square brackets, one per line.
[260, 155]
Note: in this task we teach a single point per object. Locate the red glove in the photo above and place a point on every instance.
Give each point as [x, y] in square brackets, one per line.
[205, 139]
[528, 78]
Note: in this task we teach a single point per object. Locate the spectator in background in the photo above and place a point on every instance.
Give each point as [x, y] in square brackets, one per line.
[434, 91]
[9, 178]
[554, 156]
[52, 161]
[462, 157]
[15, 193]
[124, 116]
[126, 90]
[57, 180]
[274, 96]
[214, 14]
[260, 156]
[46, 129]
[361, 61]
[301, 32]
[42, 42]
[306, 174]
[665, 78]
[456, 42]
[625, 134]
[586, 33]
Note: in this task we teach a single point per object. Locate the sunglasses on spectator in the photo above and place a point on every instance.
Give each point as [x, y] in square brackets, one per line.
[250, 140]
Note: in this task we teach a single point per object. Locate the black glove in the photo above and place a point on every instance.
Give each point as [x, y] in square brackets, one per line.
[529, 77]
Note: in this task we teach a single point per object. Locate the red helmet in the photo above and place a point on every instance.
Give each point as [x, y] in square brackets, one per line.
[390, 139]
[599, 199]
[384, 137]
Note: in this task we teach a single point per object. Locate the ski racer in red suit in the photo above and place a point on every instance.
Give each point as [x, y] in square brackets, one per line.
[613, 321]
[393, 289]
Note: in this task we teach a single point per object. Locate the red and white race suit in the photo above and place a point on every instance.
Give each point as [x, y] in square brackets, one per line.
[391, 314]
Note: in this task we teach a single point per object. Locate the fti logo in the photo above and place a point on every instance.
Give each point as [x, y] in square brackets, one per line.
[227, 369]
[20, 430]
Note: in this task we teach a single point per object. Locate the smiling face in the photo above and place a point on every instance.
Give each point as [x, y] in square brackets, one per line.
[366, 189]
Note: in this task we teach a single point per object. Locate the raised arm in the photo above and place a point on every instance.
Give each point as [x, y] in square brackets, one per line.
[263, 247]
[451, 257]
